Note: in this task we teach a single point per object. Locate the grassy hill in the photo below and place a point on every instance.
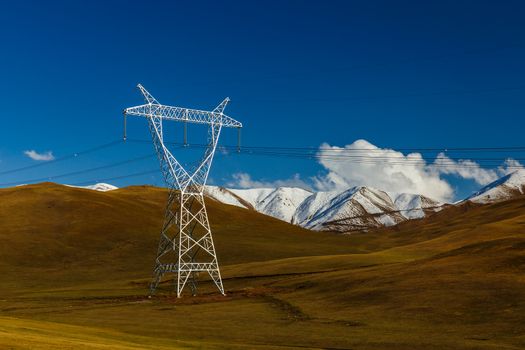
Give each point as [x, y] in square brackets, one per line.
[75, 265]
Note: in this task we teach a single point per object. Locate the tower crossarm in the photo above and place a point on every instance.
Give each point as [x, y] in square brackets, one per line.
[183, 115]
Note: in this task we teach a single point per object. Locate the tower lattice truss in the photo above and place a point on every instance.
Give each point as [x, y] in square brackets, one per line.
[186, 246]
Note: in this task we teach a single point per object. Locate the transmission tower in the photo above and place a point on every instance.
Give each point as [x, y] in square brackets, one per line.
[186, 245]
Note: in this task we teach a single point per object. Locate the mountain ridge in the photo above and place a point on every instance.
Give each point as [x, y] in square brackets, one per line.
[358, 208]
[506, 187]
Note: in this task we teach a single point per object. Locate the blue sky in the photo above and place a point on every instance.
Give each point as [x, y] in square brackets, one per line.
[404, 74]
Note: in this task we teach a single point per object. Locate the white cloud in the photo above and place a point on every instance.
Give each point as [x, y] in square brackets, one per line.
[510, 165]
[385, 169]
[46, 156]
[244, 180]
[464, 168]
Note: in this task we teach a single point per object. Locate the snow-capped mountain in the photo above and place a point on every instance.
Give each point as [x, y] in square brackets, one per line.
[416, 206]
[358, 208]
[354, 209]
[502, 189]
[102, 187]
[280, 203]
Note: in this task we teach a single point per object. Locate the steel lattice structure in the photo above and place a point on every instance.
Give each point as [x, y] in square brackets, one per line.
[186, 244]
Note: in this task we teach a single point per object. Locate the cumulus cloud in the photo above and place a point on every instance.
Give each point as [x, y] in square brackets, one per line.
[385, 169]
[244, 180]
[46, 156]
[464, 168]
[510, 165]
[392, 171]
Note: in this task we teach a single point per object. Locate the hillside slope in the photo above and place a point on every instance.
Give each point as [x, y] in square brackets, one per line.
[82, 259]
[60, 227]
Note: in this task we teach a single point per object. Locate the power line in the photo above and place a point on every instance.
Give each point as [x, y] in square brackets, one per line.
[349, 155]
[372, 160]
[372, 157]
[156, 171]
[69, 156]
[285, 152]
[79, 172]
[316, 149]
[117, 177]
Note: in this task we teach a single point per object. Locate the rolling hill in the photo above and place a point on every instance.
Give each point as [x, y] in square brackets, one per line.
[76, 263]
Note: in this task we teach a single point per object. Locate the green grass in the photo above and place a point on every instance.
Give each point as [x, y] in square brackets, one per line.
[76, 263]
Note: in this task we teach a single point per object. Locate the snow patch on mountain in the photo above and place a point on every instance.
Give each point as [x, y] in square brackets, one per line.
[416, 206]
[357, 208]
[502, 189]
[102, 187]
[312, 205]
[226, 196]
[280, 203]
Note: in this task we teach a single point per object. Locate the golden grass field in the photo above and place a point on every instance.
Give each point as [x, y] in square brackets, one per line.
[75, 265]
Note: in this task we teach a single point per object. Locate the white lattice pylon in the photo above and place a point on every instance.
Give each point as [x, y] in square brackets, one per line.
[186, 244]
